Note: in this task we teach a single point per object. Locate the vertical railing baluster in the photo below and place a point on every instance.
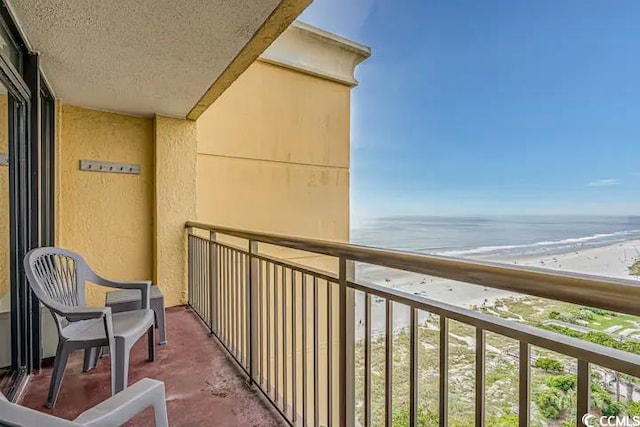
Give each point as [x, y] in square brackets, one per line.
[255, 312]
[388, 352]
[584, 390]
[305, 356]
[276, 328]
[222, 306]
[241, 308]
[316, 361]
[346, 369]
[202, 284]
[444, 372]
[200, 276]
[237, 307]
[196, 275]
[267, 274]
[218, 290]
[237, 341]
[233, 308]
[367, 359]
[413, 368]
[249, 321]
[205, 280]
[190, 266]
[199, 289]
[480, 376]
[523, 384]
[223, 274]
[294, 348]
[193, 271]
[212, 281]
[285, 344]
[229, 303]
[329, 353]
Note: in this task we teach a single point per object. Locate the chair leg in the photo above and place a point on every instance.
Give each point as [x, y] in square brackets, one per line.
[151, 338]
[59, 365]
[90, 358]
[160, 413]
[119, 365]
[161, 325]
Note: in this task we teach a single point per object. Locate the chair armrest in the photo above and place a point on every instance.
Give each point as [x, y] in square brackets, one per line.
[74, 314]
[12, 414]
[125, 405]
[144, 286]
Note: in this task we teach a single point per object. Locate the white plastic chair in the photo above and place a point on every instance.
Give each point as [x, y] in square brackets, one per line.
[114, 411]
[58, 277]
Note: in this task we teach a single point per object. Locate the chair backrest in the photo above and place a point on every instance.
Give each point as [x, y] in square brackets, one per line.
[57, 277]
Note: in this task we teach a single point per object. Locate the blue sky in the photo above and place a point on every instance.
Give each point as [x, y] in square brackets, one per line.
[493, 106]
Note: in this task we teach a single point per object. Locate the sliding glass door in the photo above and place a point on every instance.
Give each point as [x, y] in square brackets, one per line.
[5, 230]
[26, 199]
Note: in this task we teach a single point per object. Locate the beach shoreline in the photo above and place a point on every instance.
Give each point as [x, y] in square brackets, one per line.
[611, 260]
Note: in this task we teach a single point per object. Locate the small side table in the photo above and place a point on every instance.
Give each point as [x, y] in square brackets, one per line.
[129, 299]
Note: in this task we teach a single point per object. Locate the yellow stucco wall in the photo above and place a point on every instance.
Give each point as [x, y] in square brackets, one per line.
[175, 203]
[273, 155]
[106, 217]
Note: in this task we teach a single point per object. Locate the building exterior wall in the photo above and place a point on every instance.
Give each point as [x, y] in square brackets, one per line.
[175, 203]
[273, 156]
[106, 217]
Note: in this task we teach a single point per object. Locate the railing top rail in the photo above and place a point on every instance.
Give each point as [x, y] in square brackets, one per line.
[621, 295]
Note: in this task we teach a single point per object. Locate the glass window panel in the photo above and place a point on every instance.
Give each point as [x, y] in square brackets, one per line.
[8, 48]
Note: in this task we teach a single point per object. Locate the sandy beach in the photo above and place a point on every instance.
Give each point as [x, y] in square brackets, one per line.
[611, 261]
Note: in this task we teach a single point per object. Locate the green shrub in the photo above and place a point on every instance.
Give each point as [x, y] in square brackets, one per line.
[564, 331]
[585, 314]
[633, 409]
[614, 409]
[635, 268]
[601, 400]
[549, 365]
[425, 418]
[599, 311]
[601, 338]
[563, 382]
[551, 402]
[504, 420]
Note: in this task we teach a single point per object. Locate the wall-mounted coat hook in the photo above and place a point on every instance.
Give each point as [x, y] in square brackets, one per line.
[95, 166]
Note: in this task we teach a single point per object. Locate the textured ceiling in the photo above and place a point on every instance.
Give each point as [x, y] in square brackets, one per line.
[138, 57]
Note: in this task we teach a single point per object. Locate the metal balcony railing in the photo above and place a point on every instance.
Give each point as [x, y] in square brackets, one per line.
[292, 329]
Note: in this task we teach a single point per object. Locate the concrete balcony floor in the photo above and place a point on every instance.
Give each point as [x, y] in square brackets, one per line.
[202, 386]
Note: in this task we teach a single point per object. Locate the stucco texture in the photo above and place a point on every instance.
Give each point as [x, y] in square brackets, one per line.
[273, 155]
[175, 203]
[106, 217]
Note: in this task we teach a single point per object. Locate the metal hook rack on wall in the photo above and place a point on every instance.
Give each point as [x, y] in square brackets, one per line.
[109, 167]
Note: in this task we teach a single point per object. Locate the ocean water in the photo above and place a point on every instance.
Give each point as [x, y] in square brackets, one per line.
[495, 237]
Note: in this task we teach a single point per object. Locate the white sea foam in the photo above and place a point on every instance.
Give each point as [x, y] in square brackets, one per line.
[605, 238]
